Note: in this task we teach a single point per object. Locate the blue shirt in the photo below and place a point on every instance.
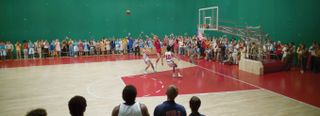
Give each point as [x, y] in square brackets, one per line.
[112, 44]
[2, 47]
[141, 44]
[117, 43]
[86, 46]
[150, 44]
[30, 45]
[170, 108]
[52, 46]
[130, 43]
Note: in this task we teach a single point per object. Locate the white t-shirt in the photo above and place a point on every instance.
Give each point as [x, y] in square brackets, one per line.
[181, 44]
[145, 57]
[285, 52]
[171, 42]
[312, 51]
[9, 46]
[169, 57]
[133, 110]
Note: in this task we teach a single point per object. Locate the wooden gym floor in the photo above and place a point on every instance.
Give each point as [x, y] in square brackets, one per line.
[223, 89]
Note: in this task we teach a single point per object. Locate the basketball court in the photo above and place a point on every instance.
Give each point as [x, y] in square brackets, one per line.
[224, 90]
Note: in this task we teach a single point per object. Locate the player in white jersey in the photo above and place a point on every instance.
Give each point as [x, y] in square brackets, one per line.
[169, 59]
[147, 60]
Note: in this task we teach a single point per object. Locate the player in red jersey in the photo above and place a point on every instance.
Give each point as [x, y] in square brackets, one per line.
[156, 43]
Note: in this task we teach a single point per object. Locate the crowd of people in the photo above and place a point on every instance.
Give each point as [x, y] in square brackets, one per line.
[78, 104]
[219, 49]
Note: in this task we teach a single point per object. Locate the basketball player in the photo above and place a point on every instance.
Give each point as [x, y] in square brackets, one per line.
[169, 58]
[157, 45]
[147, 60]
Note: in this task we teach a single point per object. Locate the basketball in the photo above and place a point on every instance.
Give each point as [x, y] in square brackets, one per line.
[128, 12]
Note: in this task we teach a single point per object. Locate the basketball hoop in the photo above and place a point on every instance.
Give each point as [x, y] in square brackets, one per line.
[208, 18]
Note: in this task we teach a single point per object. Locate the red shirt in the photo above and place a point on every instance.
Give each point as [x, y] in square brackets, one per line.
[204, 44]
[157, 44]
[25, 46]
[176, 45]
[278, 49]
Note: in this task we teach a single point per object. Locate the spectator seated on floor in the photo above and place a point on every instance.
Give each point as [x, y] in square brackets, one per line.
[130, 107]
[77, 106]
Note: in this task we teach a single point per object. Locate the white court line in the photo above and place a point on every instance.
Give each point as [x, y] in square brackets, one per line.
[158, 91]
[95, 83]
[210, 93]
[227, 76]
[230, 77]
[78, 63]
[89, 89]
[162, 86]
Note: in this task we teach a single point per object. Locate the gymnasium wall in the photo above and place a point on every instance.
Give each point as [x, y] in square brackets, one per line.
[285, 20]
[84, 19]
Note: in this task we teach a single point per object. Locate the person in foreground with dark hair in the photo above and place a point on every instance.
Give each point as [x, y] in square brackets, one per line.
[130, 107]
[37, 112]
[77, 106]
[195, 104]
[170, 107]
